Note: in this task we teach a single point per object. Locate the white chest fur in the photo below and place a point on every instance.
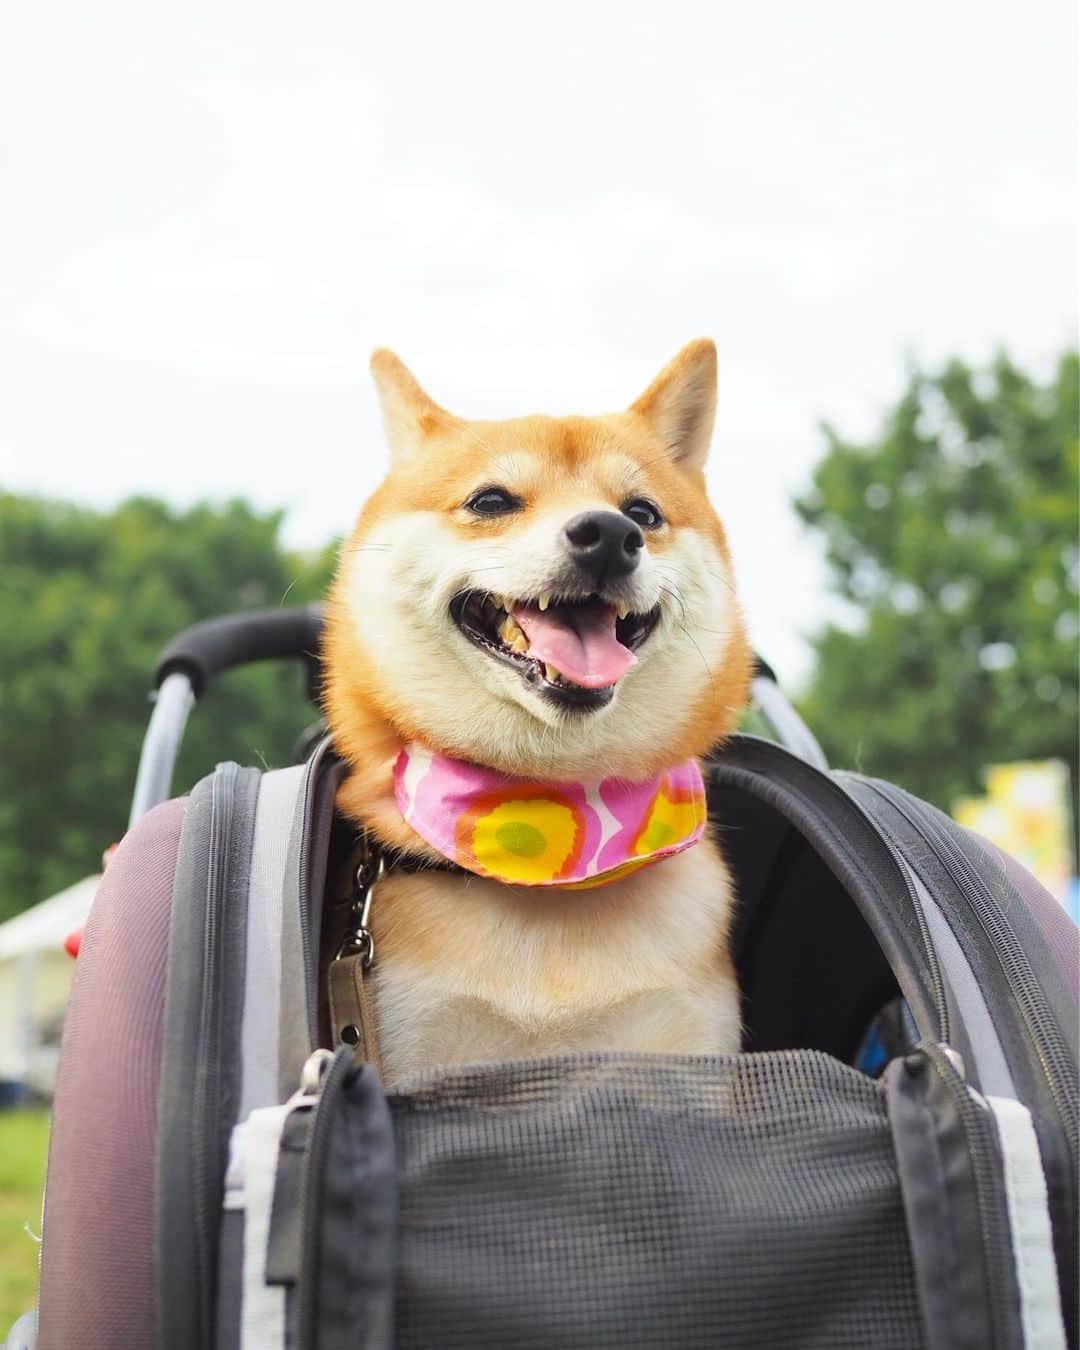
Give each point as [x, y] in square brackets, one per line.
[471, 970]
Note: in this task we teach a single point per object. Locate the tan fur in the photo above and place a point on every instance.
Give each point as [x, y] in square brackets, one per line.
[470, 969]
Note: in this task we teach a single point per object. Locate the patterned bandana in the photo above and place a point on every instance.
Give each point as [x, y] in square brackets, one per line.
[548, 834]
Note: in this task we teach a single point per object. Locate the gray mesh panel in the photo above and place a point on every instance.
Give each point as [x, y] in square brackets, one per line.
[627, 1200]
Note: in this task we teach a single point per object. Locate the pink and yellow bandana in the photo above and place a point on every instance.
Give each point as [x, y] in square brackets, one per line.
[548, 834]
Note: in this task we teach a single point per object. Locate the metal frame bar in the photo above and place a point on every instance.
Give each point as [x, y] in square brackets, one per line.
[785, 723]
[161, 744]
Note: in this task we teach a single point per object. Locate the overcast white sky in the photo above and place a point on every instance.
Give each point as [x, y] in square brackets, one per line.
[210, 215]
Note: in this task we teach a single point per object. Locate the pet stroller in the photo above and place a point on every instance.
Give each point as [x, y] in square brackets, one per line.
[890, 1162]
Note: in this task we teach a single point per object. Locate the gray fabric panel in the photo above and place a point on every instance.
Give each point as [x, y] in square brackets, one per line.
[174, 1224]
[97, 1286]
[641, 1201]
[990, 1065]
[230, 1291]
[278, 795]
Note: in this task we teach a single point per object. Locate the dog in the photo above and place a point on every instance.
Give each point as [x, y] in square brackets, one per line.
[546, 605]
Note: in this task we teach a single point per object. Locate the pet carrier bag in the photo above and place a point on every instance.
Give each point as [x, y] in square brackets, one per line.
[890, 1163]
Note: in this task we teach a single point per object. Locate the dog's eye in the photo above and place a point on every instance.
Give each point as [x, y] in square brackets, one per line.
[643, 512]
[493, 501]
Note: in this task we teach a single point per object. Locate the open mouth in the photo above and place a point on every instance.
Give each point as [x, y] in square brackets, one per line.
[574, 652]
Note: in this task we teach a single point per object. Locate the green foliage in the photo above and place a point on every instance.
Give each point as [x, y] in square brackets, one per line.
[87, 599]
[24, 1138]
[952, 538]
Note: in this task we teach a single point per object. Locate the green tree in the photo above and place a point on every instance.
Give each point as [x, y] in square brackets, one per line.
[951, 539]
[87, 599]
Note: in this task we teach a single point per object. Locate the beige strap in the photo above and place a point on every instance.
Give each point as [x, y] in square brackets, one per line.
[352, 1010]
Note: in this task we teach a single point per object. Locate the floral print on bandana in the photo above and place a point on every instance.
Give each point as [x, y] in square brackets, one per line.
[548, 834]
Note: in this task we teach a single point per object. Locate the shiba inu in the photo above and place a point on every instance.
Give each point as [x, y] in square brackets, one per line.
[532, 636]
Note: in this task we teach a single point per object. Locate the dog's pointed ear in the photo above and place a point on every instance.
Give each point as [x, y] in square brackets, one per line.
[680, 404]
[410, 416]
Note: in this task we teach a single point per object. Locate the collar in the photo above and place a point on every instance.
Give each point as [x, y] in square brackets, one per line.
[529, 832]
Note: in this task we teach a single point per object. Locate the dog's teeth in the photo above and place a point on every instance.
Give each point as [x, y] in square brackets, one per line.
[622, 610]
[512, 635]
[544, 600]
[551, 673]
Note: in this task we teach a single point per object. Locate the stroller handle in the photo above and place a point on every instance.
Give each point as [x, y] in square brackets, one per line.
[781, 718]
[206, 649]
[198, 654]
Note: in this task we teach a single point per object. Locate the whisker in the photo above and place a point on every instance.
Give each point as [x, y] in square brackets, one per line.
[663, 563]
[713, 632]
[700, 653]
[667, 590]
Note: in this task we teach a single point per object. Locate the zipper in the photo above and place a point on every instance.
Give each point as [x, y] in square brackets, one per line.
[303, 887]
[981, 1139]
[1041, 1027]
[933, 966]
[206, 1144]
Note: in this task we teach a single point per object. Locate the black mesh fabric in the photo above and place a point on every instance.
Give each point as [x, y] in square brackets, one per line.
[630, 1200]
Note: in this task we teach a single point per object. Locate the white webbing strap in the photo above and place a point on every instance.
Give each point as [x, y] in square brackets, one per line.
[1029, 1219]
[249, 1185]
[279, 791]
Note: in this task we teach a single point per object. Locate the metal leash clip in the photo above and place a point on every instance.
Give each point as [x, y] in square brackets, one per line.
[359, 939]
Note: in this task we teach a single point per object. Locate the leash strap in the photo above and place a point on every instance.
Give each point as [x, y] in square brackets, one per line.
[352, 1010]
[350, 989]
[353, 1020]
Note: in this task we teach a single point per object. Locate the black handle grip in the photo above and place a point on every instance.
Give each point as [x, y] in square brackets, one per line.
[206, 649]
[762, 669]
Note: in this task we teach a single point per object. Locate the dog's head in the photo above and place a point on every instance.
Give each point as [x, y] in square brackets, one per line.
[547, 596]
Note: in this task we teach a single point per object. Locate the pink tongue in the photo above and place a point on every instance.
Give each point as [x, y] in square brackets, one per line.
[579, 641]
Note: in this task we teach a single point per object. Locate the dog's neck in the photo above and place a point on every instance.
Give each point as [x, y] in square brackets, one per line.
[528, 832]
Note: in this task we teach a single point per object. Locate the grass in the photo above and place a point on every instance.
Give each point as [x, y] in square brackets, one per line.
[24, 1137]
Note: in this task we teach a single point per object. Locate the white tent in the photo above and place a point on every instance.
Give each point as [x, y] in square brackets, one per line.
[35, 981]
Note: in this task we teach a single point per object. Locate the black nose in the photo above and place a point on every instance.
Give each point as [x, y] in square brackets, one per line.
[604, 544]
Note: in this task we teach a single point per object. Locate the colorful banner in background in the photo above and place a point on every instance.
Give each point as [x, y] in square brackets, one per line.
[1026, 813]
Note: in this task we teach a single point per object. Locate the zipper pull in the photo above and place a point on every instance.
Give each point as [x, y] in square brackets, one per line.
[284, 1242]
[955, 1058]
[316, 1067]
